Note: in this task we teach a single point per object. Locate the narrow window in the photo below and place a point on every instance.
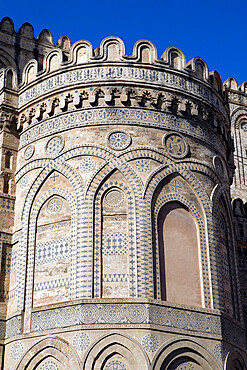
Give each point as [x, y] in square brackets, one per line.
[6, 185]
[7, 159]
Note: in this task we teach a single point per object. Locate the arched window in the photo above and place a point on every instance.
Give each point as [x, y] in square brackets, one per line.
[115, 244]
[52, 273]
[178, 255]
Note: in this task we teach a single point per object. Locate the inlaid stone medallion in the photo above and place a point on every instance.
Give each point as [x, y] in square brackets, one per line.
[54, 145]
[49, 365]
[16, 350]
[87, 164]
[142, 165]
[54, 205]
[150, 343]
[115, 365]
[29, 151]
[175, 145]
[24, 181]
[114, 198]
[118, 140]
[81, 341]
[185, 366]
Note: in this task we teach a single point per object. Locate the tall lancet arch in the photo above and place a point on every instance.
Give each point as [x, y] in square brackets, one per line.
[52, 252]
[179, 255]
[115, 245]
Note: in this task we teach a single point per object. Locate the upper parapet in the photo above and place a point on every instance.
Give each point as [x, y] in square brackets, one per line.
[237, 94]
[28, 46]
[112, 49]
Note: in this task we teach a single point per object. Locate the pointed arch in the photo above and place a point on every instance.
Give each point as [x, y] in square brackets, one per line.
[183, 350]
[114, 238]
[235, 361]
[202, 213]
[52, 347]
[115, 343]
[180, 278]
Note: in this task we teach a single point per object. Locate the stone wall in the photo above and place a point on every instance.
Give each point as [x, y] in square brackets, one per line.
[120, 252]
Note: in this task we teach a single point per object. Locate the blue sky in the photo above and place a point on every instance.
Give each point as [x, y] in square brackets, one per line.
[213, 30]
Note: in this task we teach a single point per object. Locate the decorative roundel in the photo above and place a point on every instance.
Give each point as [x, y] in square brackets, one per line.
[185, 366]
[114, 198]
[54, 205]
[81, 341]
[244, 126]
[136, 313]
[24, 181]
[29, 151]
[89, 313]
[175, 145]
[179, 318]
[220, 351]
[118, 140]
[142, 165]
[16, 350]
[112, 314]
[49, 365]
[87, 164]
[115, 365]
[218, 166]
[54, 145]
[150, 343]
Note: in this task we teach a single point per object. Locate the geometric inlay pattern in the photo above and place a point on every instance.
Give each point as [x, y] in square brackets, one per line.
[118, 140]
[54, 205]
[81, 341]
[53, 250]
[16, 350]
[49, 365]
[28, 153]
[54, 145]
[24, 181]
[185, 366]
[115, 365]
[87, 165]
[175, 185]
[142, 165]
[115, 243]
[150, 343]
[175, 145]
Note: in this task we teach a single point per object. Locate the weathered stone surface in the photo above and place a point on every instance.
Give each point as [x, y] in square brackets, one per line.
[117, 237]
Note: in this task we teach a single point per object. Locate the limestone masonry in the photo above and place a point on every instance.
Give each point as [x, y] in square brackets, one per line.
[123, 203]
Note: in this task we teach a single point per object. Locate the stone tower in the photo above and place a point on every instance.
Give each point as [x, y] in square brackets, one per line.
[117, 230]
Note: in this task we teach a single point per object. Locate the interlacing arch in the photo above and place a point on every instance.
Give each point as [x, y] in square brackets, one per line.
[182, 349]
[73, 177]
[116, 343]
[32, 228]
[53, 348]
[220, 194]
[235, 361]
